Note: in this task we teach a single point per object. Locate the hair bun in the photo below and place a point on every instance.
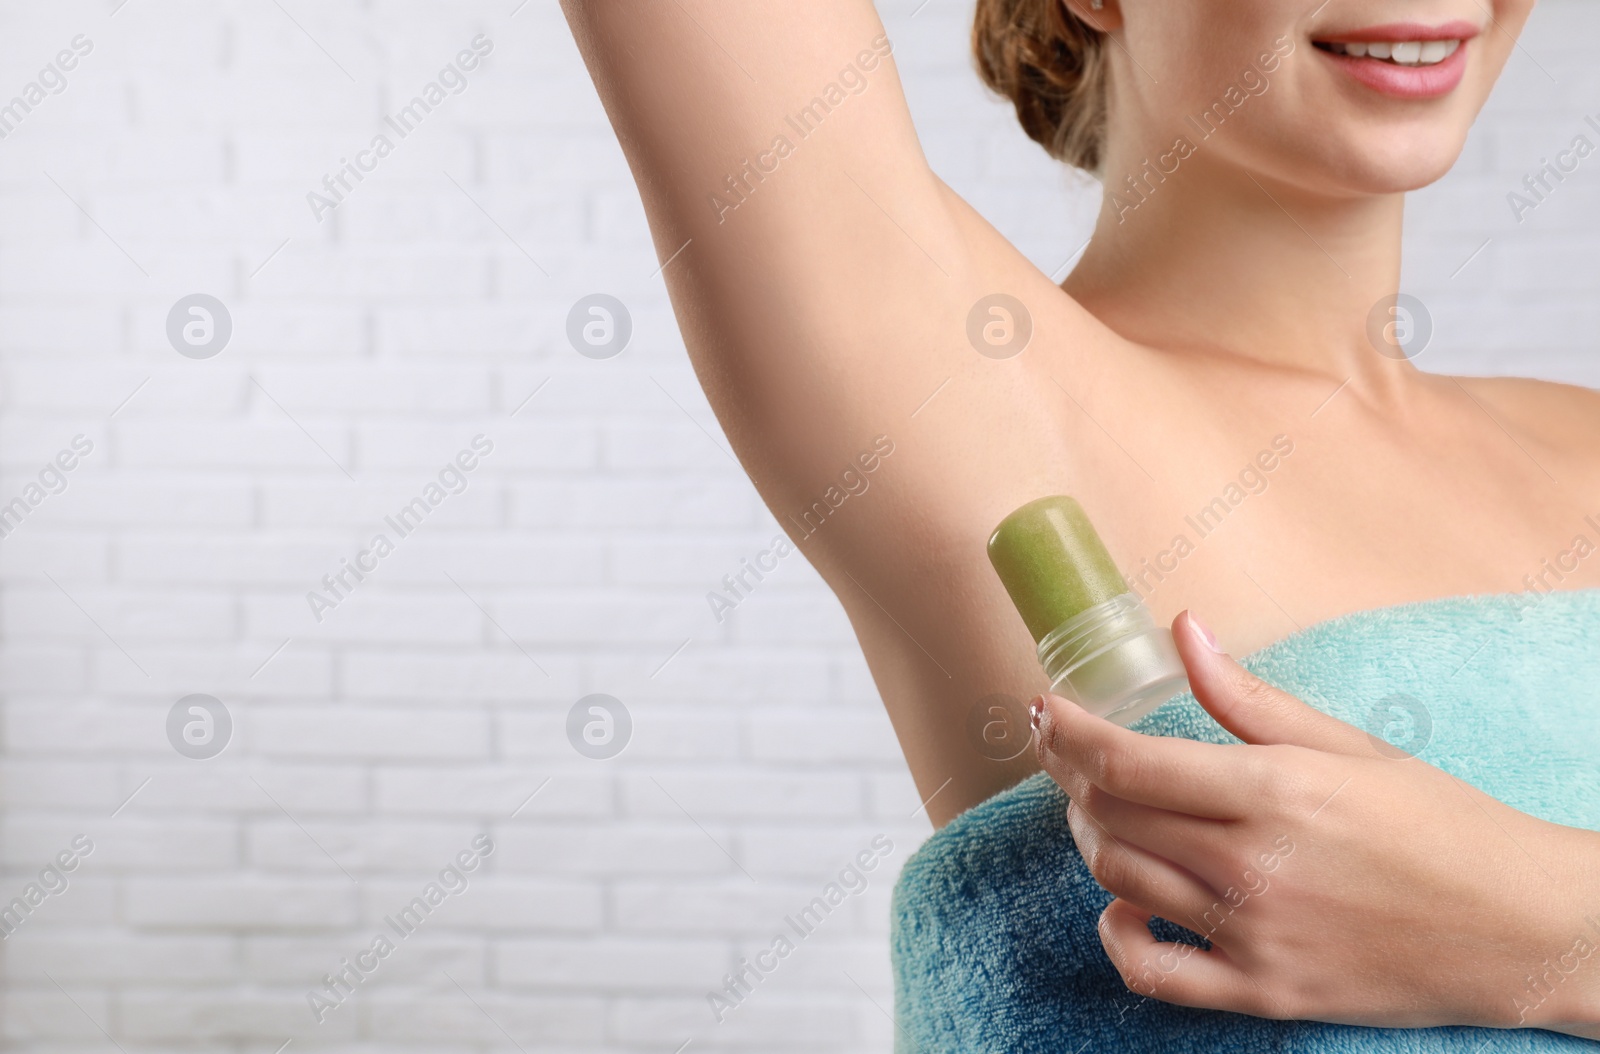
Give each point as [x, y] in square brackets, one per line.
[1052, 67]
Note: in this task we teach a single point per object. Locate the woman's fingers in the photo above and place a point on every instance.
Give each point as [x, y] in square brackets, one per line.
[1178, 973]
[1200, 779]
[1251, 708]
[1188, 841]
[1139, 876]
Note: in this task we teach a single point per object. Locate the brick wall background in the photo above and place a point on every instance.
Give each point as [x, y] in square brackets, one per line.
[430, 704]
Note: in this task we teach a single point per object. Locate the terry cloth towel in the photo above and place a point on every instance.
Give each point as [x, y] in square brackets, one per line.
[994, 939]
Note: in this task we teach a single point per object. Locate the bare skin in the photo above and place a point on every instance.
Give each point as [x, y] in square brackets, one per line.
[831, 306]
[825, 309]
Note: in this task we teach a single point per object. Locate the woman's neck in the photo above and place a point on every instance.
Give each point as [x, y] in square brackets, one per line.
[1216, 260]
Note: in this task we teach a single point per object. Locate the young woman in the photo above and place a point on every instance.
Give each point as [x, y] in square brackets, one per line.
[896, 378]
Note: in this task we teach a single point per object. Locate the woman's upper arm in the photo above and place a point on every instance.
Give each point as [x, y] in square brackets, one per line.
[823, 273]
[737, 115]
[823, 277]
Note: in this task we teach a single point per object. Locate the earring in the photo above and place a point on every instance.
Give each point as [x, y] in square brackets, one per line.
[1097, 4]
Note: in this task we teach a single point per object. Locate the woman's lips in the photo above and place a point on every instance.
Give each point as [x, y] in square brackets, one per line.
[1405, 82]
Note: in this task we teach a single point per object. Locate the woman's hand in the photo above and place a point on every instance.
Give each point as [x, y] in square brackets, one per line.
[1335, 880]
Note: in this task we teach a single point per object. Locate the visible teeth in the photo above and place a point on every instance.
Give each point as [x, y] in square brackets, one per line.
[1402, 53]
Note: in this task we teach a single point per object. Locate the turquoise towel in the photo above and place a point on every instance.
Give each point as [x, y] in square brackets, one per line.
[994, 939]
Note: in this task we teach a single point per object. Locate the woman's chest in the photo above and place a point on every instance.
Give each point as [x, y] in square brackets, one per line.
[1266, 512]
[1302, 530]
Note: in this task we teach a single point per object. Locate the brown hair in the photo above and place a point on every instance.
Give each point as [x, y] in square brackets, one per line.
[1052, 66]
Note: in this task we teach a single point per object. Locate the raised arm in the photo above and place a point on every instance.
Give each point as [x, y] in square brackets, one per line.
[824, 268]
[823, 277]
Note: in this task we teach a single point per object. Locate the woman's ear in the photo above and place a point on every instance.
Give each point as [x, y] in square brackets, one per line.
[1103, 16]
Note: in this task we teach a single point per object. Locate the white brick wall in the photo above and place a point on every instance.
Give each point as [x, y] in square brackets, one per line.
[370, 748]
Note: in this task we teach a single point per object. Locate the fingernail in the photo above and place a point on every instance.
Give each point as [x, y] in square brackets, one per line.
[1036, 711]
[1205, 633]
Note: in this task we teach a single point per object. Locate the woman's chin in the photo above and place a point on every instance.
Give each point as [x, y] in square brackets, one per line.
[1377, 170]
[1398, 176]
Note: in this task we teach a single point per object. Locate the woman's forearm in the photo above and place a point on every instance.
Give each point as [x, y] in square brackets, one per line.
[1562, 991]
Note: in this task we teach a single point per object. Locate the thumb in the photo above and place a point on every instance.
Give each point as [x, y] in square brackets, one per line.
[1251, 708]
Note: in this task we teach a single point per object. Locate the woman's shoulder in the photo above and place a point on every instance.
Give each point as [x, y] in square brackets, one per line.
[1560, 415]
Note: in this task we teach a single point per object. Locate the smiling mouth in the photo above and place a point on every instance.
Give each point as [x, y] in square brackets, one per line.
[1403, 60]
[1396, 53]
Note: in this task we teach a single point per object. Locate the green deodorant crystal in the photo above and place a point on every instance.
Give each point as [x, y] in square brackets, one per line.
[1097, 642]
[1052, 562]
